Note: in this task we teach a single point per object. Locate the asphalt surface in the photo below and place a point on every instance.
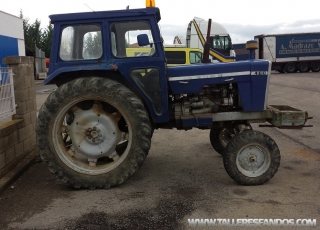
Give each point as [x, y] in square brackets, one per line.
[183, 178]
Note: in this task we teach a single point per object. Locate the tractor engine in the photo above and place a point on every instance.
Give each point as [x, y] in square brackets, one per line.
[213, 98]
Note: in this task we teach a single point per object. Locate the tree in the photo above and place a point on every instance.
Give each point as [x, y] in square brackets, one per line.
[46, 39]
[92, 45]
[35, 36]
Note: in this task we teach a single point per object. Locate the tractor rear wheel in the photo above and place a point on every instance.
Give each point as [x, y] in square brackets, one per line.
[251, 158]
[93, 133]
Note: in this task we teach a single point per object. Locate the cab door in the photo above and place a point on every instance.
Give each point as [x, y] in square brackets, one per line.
[143, 67]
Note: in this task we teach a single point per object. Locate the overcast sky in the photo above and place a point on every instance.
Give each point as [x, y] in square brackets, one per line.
[242, 18]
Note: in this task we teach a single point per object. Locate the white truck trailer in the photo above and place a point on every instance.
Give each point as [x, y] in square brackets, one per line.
[290, 52]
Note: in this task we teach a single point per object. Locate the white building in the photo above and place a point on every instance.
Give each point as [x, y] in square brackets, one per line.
[11, 36]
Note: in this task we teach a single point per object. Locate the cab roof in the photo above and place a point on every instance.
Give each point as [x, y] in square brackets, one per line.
[106, 14]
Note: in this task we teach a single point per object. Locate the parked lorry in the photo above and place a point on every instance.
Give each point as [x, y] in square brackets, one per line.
[95, 130]
[220, 40]
[290, 52]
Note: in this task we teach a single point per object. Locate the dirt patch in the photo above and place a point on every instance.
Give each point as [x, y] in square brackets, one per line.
[240, 191]
[166, 215]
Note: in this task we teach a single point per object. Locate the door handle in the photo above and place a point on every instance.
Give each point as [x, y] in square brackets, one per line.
[183, 82]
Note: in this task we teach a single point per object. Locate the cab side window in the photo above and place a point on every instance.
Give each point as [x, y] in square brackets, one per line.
[81, 42]
[124, 39]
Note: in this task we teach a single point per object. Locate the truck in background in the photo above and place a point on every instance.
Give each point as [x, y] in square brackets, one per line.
[290, 52]
[175, 54]
[220, 40]
[242, 54]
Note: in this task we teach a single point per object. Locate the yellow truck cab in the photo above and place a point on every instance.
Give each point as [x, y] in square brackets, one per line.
[175, 55]
[182, 55]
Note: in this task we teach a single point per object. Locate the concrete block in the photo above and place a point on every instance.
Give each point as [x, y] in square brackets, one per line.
[25, 132]
[4, 143]
[19, 149]
[18, 82]
[27, 118]
[14, 60]
[32, 76]
[9, 127]
[23, 163]
[28, 81]
[30, 105]
[32, 92]
[33, 116]
[10, 155]
[34, 101]
[21, 108]
[13, 138]
[29, 143]
[21, 95]
[2, 160]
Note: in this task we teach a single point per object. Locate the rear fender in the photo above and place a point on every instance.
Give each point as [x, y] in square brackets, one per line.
[51, 79]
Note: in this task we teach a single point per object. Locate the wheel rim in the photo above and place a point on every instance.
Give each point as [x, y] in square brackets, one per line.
[253, 160]
[316, 67]
[90, 141]
[291, 68]
[304, 67]
[224, 137]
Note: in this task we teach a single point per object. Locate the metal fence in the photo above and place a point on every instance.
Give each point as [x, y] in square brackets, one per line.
[7, 101]
[39, 62]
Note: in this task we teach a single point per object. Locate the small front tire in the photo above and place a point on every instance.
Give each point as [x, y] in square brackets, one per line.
[251, 158]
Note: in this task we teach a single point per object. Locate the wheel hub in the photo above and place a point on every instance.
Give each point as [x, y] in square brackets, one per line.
[94, 132]
[252, 161]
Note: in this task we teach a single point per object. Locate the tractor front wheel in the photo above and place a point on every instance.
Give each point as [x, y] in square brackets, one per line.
[251, 158]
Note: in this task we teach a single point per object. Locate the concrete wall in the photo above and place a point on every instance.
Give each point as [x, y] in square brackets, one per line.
[17, 137]
[11, 36]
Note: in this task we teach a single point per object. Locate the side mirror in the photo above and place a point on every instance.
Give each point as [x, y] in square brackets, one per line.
[143, 40]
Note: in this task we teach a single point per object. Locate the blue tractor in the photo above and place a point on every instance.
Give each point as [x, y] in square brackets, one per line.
[95, 130]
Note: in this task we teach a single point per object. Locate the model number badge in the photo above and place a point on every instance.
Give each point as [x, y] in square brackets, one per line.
[259, 73]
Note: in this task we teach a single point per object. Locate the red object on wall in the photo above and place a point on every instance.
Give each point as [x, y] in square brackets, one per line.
[47, 62]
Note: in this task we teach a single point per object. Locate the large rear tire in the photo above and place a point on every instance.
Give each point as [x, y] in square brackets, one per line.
[93, 133]
[251, 158]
